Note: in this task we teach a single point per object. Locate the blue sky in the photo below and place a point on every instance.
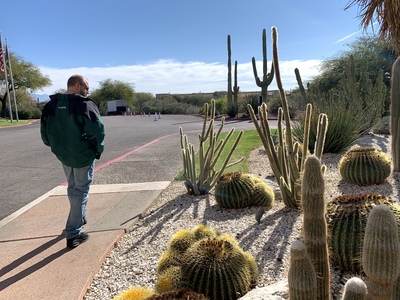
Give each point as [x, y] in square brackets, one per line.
[176, 46]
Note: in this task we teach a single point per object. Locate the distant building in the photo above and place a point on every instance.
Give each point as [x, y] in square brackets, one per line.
[169, 95]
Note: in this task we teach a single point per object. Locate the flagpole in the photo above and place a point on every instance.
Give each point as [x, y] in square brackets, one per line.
[6, 79]
[8, 57]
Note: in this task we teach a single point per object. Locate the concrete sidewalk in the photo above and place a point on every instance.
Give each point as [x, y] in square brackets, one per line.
[35, 263]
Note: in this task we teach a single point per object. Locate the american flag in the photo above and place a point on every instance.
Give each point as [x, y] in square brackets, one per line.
[2, 60]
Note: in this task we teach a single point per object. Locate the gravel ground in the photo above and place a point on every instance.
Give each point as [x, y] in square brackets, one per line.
[133, 261]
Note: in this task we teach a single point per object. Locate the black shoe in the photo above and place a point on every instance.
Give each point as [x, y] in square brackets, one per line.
[76, 241]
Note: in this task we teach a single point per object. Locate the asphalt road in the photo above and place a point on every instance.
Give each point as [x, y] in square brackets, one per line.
[137, 149]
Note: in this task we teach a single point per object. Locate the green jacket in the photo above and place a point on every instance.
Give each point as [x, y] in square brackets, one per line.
[72, 127]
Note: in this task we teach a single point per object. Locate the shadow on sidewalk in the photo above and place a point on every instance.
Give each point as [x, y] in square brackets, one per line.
[26, 272]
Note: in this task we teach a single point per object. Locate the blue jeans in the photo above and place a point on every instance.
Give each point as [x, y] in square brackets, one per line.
[79, 180]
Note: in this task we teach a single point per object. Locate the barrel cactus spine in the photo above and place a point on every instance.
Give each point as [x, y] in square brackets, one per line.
[314, 224]
[170, 279]
[364, 166]
[211, 251]
[302, 279]
[347, 218]
[169, 258]
[218, 269]
[203, 231]
[178, 294]
[263, 195]
[381, 253]
[136, 292]
[181, 240]
[234, 190]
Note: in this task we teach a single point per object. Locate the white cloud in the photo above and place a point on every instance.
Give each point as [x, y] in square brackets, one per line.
[170, 76]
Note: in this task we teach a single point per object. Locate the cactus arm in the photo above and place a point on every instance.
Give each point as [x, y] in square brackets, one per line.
[220, 171]
[266, 139]
[221, 147]
[321, 134]
[258, 81]
[285, 108]
[267, 77]
[287, 195]
[280, 129]
[300, 84]
[306, 134]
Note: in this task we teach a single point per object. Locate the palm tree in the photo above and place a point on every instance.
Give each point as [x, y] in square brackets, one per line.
[384, 12]
[387, 14]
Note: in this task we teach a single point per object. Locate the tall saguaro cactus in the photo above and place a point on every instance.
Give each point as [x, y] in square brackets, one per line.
[267, 77]
[232, 103]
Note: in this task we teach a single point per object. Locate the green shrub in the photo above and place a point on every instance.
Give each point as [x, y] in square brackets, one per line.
[353, 108]
[28, 112]
[251, 99]
[343, 129]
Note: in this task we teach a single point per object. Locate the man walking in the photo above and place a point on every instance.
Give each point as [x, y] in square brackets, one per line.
[72, 127]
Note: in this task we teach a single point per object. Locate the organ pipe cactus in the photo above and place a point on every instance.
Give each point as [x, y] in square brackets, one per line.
[364, 166]
[381, 253]
[284, 158]
[202, 181]
[267, 77]
[314, 224]
[354, 289]
[347, 218]
[302, 279]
